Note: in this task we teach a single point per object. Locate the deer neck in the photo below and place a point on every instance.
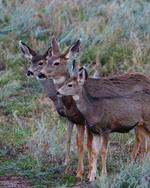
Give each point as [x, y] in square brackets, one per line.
[76, 98]
[49, 89]
[58, 82]
[82, 100]
[87, 105]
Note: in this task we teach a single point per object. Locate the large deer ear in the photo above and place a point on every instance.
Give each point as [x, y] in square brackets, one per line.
[55, 46]
[74, 69]
[26, 50]
[48, 53]
[82, 75]
[72, 50]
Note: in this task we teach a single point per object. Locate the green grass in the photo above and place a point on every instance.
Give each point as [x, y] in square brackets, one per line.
[22, 155]
[26, 167]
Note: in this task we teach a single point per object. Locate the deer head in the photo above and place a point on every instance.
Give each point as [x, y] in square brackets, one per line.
[57, 62]
[74, 85]
[37, 62]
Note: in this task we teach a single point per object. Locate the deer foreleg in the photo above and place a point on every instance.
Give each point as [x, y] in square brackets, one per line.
[80, 142]
[89, 150]
[95, 152]
[104, 143]
[68, 142]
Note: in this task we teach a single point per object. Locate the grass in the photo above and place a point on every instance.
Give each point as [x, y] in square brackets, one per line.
[32, 137]
[131, 176]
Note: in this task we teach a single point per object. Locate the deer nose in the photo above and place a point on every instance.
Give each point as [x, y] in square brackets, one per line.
[30, 73]
[41, 75]
[58, 94]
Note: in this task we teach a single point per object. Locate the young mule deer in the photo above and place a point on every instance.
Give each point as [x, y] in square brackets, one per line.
[72, 113]
[37, 62]
[110, 105]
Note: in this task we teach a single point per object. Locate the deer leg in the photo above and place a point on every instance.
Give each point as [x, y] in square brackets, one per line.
[142, 135]
[80, 142]
[89, 150]
[138, 140]
[104, 143]
[68, 142]
[95, 152]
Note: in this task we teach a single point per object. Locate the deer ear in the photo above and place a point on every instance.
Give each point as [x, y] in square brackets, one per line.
[73, 49]
[48, 53]
[26, 50]
[74, 69]
[82, 75]
[55, 46]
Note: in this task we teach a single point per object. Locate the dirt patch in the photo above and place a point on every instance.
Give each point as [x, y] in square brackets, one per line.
[13, 182]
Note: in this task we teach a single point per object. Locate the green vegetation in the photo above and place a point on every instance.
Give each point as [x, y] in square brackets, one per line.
[32, 137]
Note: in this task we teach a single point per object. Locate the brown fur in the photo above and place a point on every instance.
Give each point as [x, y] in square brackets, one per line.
[97, 92]
[116, 104]
[118, 85]
[49, 90]
[71, 111]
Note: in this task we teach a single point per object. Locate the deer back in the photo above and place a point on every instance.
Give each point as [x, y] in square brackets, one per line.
[118, 85]
[115, 113]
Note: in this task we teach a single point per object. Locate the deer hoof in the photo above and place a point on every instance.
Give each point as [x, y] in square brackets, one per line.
[67, 162]
[79, 175]
[104, 174]
[92, 177]
[89, 174]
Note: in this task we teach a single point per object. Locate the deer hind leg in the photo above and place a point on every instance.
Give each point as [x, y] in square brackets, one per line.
[68, 142]
[147, 142]
[138, 141]
[80, 143]
[89, 150]
[95, 152]
[104, 143]
[145, 135]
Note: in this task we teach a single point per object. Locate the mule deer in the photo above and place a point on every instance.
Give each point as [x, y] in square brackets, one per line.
[72, 113]
[49, 90]
[107, 109]
[58, 71]
[69, 107]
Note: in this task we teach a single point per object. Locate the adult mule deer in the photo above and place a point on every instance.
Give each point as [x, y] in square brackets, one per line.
[108, 107]
[68, 105]
[72, 113]
[37, 62]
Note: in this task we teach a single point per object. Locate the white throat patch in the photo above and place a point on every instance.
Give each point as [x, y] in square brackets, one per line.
[59, 81]
[76, 97]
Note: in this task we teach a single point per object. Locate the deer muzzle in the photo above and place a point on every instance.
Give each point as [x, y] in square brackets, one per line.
[30, 73]
[41, 75]
[58, 94]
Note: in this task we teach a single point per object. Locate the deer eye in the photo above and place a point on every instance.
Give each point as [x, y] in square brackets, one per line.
[56, 63]
[69, 85]
[41, 63]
